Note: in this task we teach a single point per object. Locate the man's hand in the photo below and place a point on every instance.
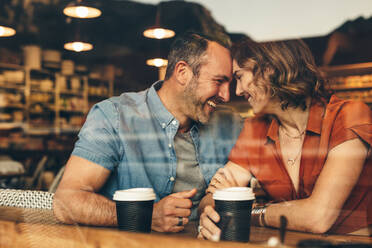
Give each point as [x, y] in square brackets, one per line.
[167, 211]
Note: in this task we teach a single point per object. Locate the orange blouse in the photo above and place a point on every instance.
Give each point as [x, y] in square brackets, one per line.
[258, 150]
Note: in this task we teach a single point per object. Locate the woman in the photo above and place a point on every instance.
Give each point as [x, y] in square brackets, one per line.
[310, 152]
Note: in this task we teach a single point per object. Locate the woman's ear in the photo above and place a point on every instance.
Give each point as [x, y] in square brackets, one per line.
[268, 71]
[183, 72]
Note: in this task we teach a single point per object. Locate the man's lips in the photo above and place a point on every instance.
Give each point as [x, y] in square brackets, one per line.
[212, 104]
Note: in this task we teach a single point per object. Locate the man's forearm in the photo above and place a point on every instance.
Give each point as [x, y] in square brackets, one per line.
[73, 206]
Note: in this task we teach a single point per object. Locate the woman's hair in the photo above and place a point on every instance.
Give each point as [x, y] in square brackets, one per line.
[288, 65]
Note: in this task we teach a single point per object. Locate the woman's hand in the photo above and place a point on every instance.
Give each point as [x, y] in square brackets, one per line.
[222, 179]
[207, 227]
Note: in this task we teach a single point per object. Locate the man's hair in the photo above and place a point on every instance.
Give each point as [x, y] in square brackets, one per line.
[288, 65]
[191, 48]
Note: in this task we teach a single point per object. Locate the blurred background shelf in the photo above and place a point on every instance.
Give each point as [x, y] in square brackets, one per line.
[11, 125]
[26, 95]
[13, 106]
[353, 81]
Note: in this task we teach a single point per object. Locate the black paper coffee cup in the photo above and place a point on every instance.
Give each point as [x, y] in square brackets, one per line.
[134, 209]
[234, 205]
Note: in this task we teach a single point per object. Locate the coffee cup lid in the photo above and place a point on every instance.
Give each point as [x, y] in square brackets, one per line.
[134, 194]
[234, 194]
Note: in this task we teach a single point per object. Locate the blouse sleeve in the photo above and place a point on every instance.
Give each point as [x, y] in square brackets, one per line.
[354, 120]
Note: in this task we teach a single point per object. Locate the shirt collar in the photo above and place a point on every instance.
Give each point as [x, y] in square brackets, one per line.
[314, 122]
[157, 107]
[316, 115]
[272, 131]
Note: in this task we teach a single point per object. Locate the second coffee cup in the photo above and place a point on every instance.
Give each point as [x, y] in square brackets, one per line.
[234, 206]
[134, 209]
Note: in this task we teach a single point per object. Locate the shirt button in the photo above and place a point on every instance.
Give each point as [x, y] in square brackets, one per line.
[171, 178]
[174, 122]
[163, 125]
[170, 145]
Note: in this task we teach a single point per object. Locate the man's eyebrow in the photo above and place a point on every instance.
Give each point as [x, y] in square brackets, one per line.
[223, 77]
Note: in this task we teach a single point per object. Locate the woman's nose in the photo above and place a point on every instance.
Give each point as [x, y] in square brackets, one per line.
[238, 91]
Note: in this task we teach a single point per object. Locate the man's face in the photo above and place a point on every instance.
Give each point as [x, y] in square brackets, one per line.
[204, 92]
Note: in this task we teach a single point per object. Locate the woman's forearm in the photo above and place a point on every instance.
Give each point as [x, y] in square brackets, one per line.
[302, 215]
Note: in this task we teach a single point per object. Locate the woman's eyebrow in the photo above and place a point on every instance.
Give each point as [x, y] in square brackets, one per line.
[235, 73]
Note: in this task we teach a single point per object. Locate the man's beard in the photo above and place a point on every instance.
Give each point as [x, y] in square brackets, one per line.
[193, 106]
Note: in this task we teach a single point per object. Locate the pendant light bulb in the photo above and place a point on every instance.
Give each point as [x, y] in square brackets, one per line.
[78, 46]
[81, 11]
[158, 33]
[6, 31]
[157, 62]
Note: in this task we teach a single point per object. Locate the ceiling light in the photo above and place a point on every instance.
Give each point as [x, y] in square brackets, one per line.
[81, 10]
[158, 62]
[158, 32]
[78, 46]
[6, 31]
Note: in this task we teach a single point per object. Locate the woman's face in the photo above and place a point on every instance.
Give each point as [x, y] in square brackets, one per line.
[255, 91]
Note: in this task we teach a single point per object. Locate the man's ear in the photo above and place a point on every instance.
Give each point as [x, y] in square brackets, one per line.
[183, 72]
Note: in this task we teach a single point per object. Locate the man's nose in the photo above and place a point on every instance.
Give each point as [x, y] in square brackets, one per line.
[224, 92]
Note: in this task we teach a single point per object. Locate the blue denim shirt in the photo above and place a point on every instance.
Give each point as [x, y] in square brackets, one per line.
[132, 135]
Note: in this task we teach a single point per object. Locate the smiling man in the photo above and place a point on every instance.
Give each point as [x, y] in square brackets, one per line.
[169, 137]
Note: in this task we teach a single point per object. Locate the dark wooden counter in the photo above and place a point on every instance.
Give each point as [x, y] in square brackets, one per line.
[35, 228]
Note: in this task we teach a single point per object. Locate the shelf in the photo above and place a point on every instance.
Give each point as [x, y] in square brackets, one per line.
[32, 130]
[41, 73]
[13, 106]
[46, 109]
[347, 70]
[353, 82]
[37, 131]
[71, 92]
[45, 112]
[49, 100]
[11, 125]
[11, 66]
[97, 81]
[45, 104]
[12, 87]
[72, 112]
[42, 91]
[356, 87]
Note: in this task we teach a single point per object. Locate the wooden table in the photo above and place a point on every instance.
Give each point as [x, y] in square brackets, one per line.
[36, 228]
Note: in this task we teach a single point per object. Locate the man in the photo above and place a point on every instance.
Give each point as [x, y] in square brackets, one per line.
[164, 137]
